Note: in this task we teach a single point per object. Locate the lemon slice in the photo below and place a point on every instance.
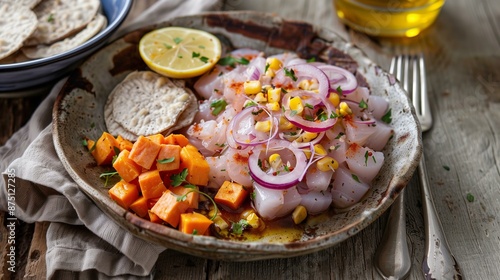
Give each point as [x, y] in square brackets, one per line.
[179, 52]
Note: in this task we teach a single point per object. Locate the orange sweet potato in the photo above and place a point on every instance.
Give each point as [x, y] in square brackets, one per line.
[169, 157]
[151, 184]
[157, 138]
[140, 207]
[176, 139]
[124, 193]
[126, 168]
[154, 218]
[124, 144]
[231, 194]
[194, 223]
[196, 164]
[103, 149]
[144, 152]
[169, 209]
[192, 196]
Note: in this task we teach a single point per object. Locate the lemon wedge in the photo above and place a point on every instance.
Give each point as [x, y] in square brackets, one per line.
[179, 52]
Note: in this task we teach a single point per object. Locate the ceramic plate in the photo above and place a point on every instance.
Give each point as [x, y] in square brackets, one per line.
[78, 113]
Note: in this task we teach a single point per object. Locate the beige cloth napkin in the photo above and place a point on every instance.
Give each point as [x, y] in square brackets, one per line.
[82, 242]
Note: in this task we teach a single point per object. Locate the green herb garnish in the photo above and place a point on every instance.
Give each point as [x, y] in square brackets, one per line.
[237, 228]
[231, 61]
[218, 106]
[177, 40]
[166, 160]
[470, 197]
[290, 73]
[387, 117]
[355, 177]
[363, 104]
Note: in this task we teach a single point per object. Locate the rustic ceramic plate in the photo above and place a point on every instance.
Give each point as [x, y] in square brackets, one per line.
[78, 112]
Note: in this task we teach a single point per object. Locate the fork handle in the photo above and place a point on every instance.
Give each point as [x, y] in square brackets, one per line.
[438, 262]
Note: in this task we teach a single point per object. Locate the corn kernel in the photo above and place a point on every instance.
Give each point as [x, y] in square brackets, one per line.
[273, 106]
[270, 73]
[259, 97]
[299, 214]
[245, 213]
[307, 137]
[263, 126]
[274, 63]
[221, 223]
[273, 94]
[307, 153]
[334, 99]
[284, 124]
[253, 220]
[275, 161]
[327, 163]
[252, 87]
[344, 109]
[296, 105]
[319, 150]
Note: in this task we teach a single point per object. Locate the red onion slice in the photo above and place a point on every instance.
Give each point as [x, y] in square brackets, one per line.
[302, 71]
[277, 181]
[339, 77]
[237, 140]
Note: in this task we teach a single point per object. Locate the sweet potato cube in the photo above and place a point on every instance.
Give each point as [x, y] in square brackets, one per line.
[176, 139]
[144, 152]
[126, 168]
[192, 196]
[157, 138]
[194, 223]
[231, 194]
[140, 207]
[124, 193]
[169, 157]
[151, 184]
[124, 144]
[103, 149]
[169, 209]
[196, 165]
[154, 218]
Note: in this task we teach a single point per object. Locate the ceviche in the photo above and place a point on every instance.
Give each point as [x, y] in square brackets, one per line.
[276, 137]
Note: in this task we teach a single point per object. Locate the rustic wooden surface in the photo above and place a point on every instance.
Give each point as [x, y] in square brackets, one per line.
[462, 51]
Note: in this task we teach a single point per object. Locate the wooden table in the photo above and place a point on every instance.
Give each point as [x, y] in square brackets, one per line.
[462, 51]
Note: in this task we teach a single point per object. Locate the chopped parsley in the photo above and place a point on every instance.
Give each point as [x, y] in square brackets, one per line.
[355, 177]
[363, 104]
[470, 197]
[168, 47]
[218, 106]
[166, 160]
[339, 90]
[108, 175]
[387, 117]
[237, 228]
[50, 18]
[177, 40]
[232, 61]
[290, 73]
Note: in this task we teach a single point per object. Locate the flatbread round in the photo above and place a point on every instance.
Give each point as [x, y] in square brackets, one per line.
[147, 103]
[59, 19]
[187, 117]
[113, 127]
[69, 43]
[17, 23]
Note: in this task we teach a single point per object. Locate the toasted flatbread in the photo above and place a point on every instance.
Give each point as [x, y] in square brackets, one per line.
[69, 43]
[59, 19]
[17, 23]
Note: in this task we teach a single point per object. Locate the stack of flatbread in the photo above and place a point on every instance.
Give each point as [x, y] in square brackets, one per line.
[31, 29]
[146, 103]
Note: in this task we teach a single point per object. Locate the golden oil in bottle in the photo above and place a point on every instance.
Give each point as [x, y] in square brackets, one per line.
[401, 18]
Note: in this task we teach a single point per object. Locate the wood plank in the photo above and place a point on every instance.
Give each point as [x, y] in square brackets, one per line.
[36, 265]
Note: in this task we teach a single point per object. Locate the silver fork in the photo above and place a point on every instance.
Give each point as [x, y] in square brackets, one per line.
[392, 258]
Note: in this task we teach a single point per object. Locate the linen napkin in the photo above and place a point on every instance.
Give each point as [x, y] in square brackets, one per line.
[82, 242]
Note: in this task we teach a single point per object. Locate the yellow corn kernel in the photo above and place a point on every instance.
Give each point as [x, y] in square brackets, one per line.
[307, 153]
[252, 87]
[263, 126]
[327, 163]
[284, 124]
[299, 214]
[274, 63]
[259, 97]
[220, 222]
[296, 105]
[307, 137]
[275, 161]
[273, 106]
[273, 94]
[270, 73]
[334, 99]
[253, 220]
[245, 213]
[344, 109]
[319, 150]
[308, 85]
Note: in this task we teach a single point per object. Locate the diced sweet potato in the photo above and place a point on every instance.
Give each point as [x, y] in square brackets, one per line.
[124, 193]
[104, 149]
[192, 196]
[196, 164]
[126, 168]
[144, 152]
[154, 218]
[157, 138]
[194, 223]
[151, 184]
[169, 157]
[231, 194]
[169, 209]
[140, 207]
[124, 144]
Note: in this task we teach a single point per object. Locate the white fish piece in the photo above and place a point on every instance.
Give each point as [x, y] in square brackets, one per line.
[318, 180]
[357, 132]
[347, 189]
[270, 203]
[317, 201]
[204, 131]
[364, 162]
[211, 83]
[377, 106]
[335, 143]
[237, 166]
[233, 91]
[218, 171]
[292, 200]
[380, 137]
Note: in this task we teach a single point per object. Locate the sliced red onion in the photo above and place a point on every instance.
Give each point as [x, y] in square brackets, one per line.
[235, 140]
[304, 70]
[310, 126]
[314, 141]
[277, 181]
[339, 77]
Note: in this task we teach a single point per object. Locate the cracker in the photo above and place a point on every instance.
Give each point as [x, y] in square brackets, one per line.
[59, 19]
[17, 23]
[187, 117]
[94, 27]
[27, 3]
[147, 103]
[113, 127]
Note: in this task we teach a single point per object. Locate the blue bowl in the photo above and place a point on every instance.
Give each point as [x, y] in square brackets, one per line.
[28, 76]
